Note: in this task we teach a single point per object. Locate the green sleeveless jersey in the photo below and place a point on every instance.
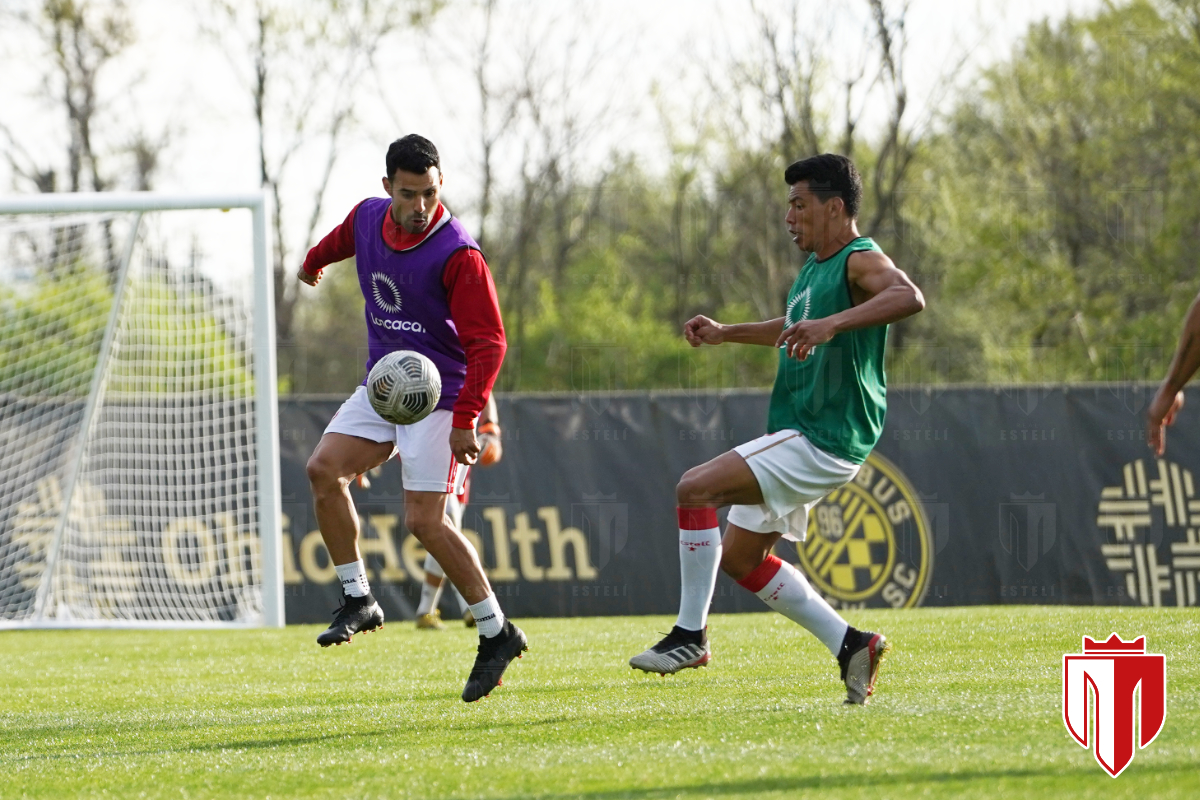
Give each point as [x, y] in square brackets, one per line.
[837, 397]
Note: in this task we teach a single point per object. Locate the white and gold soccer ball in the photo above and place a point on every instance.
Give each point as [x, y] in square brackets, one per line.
[404, 387]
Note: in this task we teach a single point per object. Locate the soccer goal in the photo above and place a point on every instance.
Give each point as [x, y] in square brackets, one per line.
[139, 455]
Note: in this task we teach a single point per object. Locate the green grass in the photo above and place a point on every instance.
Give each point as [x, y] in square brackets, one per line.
[967, 706]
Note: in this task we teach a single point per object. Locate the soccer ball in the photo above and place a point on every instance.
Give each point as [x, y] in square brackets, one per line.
[404, 387]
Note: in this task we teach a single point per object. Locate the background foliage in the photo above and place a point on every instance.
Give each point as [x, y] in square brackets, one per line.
[1045, 204]
[1047, 216]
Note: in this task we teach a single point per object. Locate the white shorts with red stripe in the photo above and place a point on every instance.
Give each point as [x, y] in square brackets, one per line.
[426, 461]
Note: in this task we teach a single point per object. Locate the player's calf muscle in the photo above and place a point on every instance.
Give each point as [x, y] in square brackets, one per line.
[743, 551]
[738, 565]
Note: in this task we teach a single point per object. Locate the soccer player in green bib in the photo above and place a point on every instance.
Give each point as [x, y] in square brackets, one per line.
[826, 415]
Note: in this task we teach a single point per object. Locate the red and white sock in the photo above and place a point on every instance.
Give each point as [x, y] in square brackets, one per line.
[699, 560]
[782, 587]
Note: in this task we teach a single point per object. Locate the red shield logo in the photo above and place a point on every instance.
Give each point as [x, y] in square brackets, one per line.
[1110, 673]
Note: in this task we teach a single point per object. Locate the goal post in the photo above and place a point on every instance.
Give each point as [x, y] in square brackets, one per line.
[139, 444]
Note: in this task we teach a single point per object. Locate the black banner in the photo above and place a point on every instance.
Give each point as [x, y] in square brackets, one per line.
[998, 495]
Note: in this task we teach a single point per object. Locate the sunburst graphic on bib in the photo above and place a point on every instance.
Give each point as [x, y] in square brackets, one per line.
[387, 296]
[868, 542]
[802, 300]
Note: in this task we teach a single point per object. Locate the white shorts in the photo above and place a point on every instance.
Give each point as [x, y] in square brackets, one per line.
[793, 475]
[426, 462]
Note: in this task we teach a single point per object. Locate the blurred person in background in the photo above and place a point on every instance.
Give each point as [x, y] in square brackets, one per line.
[429, 616]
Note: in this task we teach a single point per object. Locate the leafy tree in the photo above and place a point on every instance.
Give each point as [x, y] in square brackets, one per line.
[1047, 215]
[1060, 200]
[51, 333]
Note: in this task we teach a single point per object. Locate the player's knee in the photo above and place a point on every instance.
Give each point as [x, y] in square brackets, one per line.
[691, 488]
[322, 476]
[420, 521]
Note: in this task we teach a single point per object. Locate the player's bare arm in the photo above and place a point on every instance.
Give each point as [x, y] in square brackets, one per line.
[1169, 399]
[882, 294]
[701, 330]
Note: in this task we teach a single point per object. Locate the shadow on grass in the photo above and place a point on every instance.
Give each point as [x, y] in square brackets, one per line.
[413, 730]
[227, 745]
[408, 729]
[892, 781]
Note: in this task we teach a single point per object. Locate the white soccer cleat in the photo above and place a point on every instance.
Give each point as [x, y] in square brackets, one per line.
[680, 649]
[861, 668]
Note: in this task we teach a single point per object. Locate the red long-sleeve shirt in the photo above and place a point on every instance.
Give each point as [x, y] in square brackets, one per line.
[470, 292]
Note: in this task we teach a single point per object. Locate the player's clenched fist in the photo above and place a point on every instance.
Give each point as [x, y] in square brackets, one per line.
[799, 339]
[311, 280]
[702, 330]
[464, 446]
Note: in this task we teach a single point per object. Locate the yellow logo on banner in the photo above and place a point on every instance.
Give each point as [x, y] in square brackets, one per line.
[869, 542]
[1160, 562]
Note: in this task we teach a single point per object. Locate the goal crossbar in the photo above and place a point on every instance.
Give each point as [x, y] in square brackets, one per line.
[66, 203]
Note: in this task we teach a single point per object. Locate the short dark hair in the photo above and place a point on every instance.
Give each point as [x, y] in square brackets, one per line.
[829, 176]
[412, 153]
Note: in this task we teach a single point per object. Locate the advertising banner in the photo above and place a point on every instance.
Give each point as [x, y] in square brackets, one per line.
[1031, 494]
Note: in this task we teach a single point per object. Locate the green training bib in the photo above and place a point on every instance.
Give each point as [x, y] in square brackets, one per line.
[837, 397]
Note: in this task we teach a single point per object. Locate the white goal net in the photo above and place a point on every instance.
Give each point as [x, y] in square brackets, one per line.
[138, 456]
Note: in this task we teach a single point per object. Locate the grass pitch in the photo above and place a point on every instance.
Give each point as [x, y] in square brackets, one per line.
[969, 705]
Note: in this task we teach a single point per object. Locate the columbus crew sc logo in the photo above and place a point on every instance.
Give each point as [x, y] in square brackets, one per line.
[387, 296]
[1111, 672]
[869, 542]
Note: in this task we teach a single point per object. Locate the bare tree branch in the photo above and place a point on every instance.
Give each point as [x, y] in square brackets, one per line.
[303, 72]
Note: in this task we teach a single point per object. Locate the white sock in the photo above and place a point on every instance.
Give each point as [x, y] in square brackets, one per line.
[785, 589]
[463, 608]
[429, 598]
[354, 578]
[430, 594]
[488, 616]
[699, 560]
[432, 567]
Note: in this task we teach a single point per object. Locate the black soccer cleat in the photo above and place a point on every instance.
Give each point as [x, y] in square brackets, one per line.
[680, 649]
[861, 655]
[494, 656]
[355, 615]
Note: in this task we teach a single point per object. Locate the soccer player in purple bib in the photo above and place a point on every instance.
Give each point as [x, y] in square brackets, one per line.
[428, 289]
[819, 432]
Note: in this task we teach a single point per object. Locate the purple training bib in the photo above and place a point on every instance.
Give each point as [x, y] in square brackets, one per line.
[407, 307]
